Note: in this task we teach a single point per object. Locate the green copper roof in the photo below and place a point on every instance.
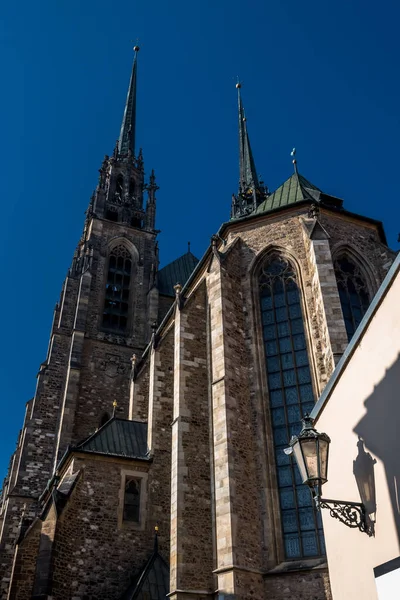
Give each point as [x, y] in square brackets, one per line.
[295, 189]
[118, 437]
[175, 272]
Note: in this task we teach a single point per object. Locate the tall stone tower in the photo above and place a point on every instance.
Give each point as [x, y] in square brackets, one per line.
[107, 306]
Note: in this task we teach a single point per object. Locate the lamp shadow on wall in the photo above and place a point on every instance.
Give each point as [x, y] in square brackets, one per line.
[363, 470]
[379, 431]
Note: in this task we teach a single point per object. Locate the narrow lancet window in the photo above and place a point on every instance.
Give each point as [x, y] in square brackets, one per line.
[290, 397]
[132, 500]
[115, 315]
[353, 292]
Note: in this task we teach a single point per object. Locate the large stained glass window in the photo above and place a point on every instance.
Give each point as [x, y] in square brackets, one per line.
[290, 395]
[353, 293]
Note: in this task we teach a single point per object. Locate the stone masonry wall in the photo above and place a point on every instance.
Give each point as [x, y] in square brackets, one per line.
[24, 567]
[104, 232]
[160, 415]
[104, 377]
[139, 393]
[191, 558]
[238, 528]
[94, 558]
[301, 585]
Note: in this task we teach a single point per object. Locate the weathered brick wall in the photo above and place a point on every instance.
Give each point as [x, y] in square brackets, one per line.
[160, 414]
[81, 376]
[238, 523]
[93, 559]
[302, 585]
[24, 566]
[104, 377]
[191, 557]
[102, 233]
[364, 238]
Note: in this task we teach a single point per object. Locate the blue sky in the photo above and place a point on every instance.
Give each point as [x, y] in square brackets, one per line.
[321, 76]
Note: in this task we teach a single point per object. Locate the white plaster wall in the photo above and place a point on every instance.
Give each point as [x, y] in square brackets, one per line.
[366, 402]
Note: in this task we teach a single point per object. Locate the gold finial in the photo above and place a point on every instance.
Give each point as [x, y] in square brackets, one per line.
[115, 404]
[156, 529]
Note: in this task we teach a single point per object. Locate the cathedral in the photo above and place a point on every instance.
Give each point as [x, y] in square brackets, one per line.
[150, 462]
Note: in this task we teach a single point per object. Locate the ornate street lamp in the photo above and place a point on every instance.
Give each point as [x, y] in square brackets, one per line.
[311, 450]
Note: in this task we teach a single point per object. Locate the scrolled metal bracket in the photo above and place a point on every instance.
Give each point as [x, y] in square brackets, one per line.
[352, 514]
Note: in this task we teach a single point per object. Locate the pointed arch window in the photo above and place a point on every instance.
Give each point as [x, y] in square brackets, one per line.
[353, 292]
[132, 500]
[290, 397]
[115, 315]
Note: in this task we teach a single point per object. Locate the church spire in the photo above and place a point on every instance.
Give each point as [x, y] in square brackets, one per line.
[126, 140]
[247, 169]
[251, 191]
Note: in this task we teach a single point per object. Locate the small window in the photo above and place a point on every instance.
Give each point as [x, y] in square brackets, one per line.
[131, 187]
[132, 500]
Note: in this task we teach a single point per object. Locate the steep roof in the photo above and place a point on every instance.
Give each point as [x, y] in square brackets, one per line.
[118, 437]
[178, 271]
[152, 583]
[294, 189]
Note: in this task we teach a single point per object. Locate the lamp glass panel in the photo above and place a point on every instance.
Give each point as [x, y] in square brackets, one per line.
[323, 459]
[298, 455]
[311, 458]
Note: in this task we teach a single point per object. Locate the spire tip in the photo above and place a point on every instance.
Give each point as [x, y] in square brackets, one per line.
[136, 48]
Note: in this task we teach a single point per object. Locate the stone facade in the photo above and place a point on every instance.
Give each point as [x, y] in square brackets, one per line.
[208, 478]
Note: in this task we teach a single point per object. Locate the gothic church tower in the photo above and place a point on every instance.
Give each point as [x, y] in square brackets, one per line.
[107, 306]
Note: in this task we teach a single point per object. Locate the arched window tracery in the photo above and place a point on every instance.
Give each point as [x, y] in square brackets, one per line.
[290, 397]
[115, 315]
[353, 292]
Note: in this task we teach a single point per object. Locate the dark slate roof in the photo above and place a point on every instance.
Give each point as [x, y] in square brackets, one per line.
[295, 189]
[153, 581]
[177, 271]
[118, 437]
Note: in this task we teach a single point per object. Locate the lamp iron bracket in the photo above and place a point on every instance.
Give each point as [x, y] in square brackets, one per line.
[352, 514]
